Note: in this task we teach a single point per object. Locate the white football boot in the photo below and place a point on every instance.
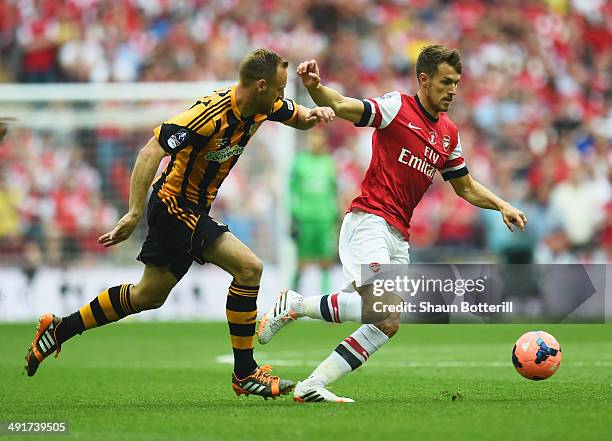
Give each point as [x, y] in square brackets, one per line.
[287, 308]
[311, 391]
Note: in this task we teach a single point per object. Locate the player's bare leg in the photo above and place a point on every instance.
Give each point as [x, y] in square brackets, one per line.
[237, 259]
[109, 306]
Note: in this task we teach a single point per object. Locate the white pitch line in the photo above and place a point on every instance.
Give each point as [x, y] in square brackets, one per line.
[229, 359]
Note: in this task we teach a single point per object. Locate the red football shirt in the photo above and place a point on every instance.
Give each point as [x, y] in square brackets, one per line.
[408, 146]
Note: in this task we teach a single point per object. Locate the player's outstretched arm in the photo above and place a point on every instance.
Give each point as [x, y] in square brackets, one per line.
[479, 195]
[144, 171]
[306, 118]
[347, 108]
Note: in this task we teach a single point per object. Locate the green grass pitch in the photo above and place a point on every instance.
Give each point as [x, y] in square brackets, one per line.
[154, 381]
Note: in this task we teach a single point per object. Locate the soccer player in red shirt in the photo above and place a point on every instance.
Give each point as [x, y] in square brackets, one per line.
[413, 139]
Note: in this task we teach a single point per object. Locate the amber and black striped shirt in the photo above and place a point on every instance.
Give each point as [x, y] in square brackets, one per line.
[205, 143]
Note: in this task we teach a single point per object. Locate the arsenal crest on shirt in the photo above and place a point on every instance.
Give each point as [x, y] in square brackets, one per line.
[446, 142]
[375, 267]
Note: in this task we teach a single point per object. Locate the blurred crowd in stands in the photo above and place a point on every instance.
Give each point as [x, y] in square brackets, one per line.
[534, 107]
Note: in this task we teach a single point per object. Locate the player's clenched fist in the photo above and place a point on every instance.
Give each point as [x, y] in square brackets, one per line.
[308, 71]
[321, 114]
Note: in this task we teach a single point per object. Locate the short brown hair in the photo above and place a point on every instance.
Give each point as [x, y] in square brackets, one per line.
[260, 63]
[433, 55]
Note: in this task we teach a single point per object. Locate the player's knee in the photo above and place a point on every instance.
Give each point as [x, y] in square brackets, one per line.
[145, 299]
[249, 272]
[389, 329]
[390, 326]
[379, 309]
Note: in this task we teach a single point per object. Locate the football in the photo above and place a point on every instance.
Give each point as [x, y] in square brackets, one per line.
[536, 355]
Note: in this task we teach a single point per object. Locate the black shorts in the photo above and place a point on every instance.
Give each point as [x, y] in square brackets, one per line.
[179, 232]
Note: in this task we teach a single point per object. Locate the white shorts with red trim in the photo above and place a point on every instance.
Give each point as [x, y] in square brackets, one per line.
[367, 239]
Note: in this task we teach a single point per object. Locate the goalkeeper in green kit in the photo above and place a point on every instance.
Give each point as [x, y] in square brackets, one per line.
[314, 207]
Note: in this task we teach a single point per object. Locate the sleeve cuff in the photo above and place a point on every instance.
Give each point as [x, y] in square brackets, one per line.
[455, 173]
[365, 120]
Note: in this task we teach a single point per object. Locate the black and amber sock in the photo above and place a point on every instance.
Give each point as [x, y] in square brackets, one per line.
[111, 305]
[241, 311]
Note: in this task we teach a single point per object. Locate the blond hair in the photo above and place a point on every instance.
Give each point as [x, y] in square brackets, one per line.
[260, 64]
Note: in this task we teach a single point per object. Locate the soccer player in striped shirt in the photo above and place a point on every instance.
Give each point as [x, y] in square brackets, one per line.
[204, 144]
[414, 139]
